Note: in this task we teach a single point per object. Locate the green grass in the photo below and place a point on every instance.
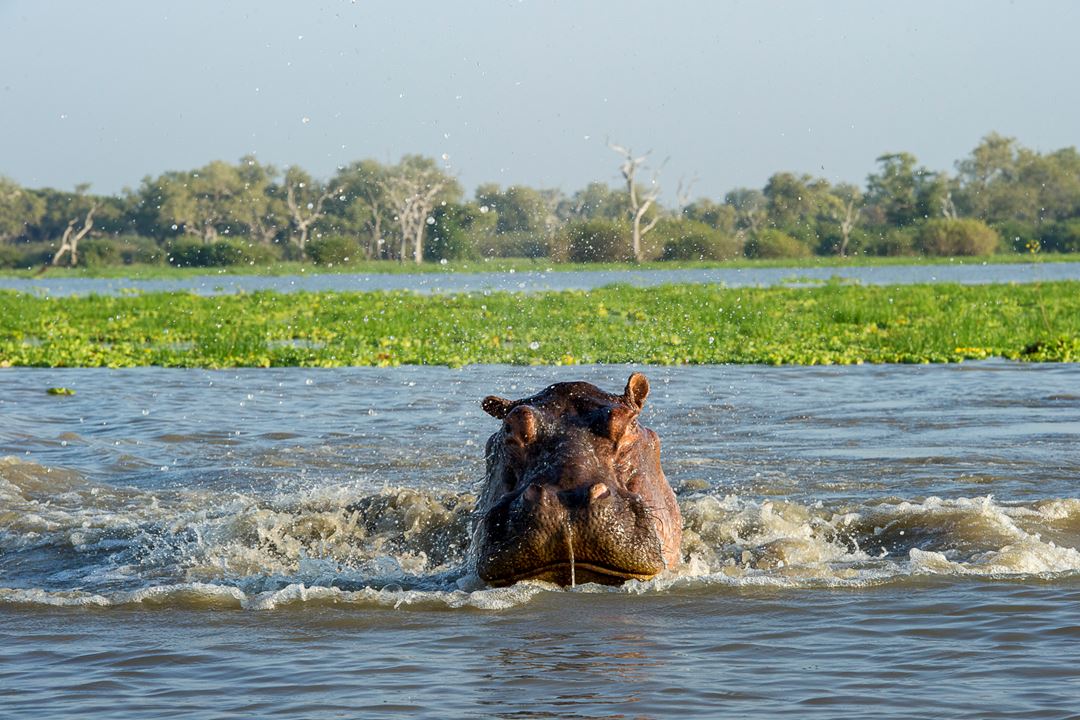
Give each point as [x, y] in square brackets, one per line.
[158, 272]
[674, 324]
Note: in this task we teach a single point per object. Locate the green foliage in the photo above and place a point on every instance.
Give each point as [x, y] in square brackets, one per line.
[953, 238]
[19, 209]
[595, 240]
[719, 216]
[25, 255]
[772, 243]
[333, 250]
[1032, 198]
[893, 242]
[515, 245]
[124, 250]
[518, 209]
[188, 252]
[595, 201]
[11, 256]
[1019, 236]
[693, 240]
[674, 324]
[1063, 237]
[458, 232]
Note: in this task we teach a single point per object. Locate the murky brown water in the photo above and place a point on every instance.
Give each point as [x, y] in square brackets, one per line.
[865, 541]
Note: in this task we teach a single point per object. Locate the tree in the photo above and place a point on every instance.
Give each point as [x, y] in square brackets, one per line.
[844, 208]
[750, 210]
[892, 192]
[797, 204]
[719, 216]
[458, 231]
[83, 209]
[518, 209]
[305, 198]
[366, 208]
[415, 186]
[200, 202]
[19, 208]
[258, 205]
[640, 201]
[596, 200]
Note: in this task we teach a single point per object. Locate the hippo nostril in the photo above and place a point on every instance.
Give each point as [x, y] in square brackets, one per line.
[599, 491]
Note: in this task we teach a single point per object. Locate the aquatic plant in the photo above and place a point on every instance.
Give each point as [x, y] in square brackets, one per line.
[830, 324]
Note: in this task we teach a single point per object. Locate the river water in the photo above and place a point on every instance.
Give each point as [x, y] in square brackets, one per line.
[863, 541]
[546, 278]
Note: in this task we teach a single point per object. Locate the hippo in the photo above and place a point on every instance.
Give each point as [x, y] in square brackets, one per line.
[574, 492]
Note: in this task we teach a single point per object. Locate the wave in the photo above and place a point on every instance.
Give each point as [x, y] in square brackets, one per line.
[68, 541]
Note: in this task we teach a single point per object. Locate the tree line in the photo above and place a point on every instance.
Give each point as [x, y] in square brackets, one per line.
[1002, 197]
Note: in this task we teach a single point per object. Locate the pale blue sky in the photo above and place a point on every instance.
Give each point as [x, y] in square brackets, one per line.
[526, 92]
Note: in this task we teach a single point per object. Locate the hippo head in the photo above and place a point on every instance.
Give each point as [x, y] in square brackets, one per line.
[574, 491]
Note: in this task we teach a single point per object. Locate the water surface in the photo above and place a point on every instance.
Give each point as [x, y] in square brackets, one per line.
[544, 277]
[868, 541]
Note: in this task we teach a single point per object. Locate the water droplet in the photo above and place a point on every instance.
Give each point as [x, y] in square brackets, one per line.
[534, 345]
[431, 221]
[484, 208]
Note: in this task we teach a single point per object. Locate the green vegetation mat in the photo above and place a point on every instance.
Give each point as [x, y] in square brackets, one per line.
[386, 267]
[673, 324]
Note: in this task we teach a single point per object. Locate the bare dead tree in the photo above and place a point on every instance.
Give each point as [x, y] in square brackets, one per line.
[640, 202]
[372, 194]
[848, 219]
[844, 205]
[948, 207]
[69, 241]
[413, 197]
[682, 193]
[303, 217]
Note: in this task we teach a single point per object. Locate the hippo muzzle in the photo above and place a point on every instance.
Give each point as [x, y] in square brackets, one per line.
[574, 490]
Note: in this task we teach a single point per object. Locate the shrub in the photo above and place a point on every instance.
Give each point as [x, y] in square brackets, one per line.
[519, 243]
[1018, 235]
[333, 250]
[191, 252]
[693, 240]
[122, 250]
[1061, 237]
[774, 243]
[594, 240]
[10, 256]
[949, 237]
[26, 255]
[894, 242]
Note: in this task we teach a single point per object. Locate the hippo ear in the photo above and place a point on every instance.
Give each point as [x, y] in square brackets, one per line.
[521, 425]
[619, 421]
[637, 389]
[496, 406]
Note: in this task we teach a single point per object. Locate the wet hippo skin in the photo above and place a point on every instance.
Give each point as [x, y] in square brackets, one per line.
[574, 491]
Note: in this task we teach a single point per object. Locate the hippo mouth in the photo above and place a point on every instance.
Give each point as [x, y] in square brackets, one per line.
[573, 573]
